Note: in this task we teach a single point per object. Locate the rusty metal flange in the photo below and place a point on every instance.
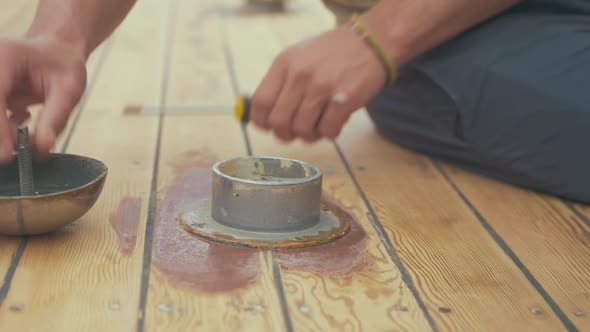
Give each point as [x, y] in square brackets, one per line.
[265, 202]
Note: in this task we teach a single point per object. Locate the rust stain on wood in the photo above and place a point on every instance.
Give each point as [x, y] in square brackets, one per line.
[345, 256]
[124, 221]
[183, 258]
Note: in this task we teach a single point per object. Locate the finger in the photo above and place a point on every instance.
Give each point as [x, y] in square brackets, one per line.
[6, 141]
[267, 93]
[281, 117]
[52, 119]
[308, 114]
[335, 116]
[22, 102]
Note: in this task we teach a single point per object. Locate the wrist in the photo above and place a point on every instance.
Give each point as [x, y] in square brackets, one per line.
[65, 33]
[395, 36]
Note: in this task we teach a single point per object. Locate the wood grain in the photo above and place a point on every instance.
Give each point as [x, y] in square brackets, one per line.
[194, 284]
[16, 16]
[198, 71]
[349, 285]
[466, 280]
[79, 278]
[545, 234]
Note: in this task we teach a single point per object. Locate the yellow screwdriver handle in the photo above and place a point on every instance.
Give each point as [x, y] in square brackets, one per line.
[242, 109]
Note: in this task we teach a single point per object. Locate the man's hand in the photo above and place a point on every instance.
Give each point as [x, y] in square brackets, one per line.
[313, 87]
[48, 66]
[36, 71]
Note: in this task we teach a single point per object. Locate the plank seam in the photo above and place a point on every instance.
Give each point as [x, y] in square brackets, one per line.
[507, 250]
[229, 60]
[153, 202]
[278, 280]
[386, 241]
[14, 263]
[577, 212]
[233, 79]
[12, 269]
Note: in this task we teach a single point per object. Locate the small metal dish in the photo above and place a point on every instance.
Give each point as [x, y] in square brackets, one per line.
[66, 188]
[265, 202]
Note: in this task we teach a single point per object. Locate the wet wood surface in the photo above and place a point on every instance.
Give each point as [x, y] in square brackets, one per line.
[432, 247]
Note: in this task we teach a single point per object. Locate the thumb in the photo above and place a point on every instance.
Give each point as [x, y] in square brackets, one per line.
[59, 104]
[6, 142]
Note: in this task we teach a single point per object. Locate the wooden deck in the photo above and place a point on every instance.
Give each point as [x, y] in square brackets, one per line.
[433, 248]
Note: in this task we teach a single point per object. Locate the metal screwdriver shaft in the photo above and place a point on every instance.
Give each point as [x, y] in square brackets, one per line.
[25, 162]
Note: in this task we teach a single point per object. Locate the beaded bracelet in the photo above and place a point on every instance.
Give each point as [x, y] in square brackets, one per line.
[362, 29]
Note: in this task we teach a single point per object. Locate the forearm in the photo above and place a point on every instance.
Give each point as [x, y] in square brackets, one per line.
[83, 23]
[407, 28]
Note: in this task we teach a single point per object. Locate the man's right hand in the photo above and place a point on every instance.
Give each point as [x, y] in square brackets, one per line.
[33, 71]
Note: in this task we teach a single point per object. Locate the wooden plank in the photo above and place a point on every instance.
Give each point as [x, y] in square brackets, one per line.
[16, 17]
[348, 285]
[204, 286]
[351, 284]
[85, 277]
[466, 280]
[583, 209]
[543, 232]
[195, 284]
[199, 73]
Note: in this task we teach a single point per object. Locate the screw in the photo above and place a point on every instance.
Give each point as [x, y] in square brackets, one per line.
[164, 307]
[115, 306]
[255, 308]
[17, 307]
[25, 162]
[305, 309]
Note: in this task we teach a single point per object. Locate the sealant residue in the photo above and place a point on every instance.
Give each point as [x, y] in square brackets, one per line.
[125, 220]
[342, 257]
[183, 258]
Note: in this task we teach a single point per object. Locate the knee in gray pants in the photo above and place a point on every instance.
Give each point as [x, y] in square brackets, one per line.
[533, 141]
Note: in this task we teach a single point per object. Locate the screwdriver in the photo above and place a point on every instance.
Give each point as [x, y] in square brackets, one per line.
[242, 109]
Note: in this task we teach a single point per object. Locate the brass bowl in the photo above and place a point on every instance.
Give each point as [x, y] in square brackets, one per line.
[67, 187]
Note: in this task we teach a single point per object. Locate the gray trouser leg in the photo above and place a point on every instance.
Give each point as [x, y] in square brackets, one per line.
[540, 144]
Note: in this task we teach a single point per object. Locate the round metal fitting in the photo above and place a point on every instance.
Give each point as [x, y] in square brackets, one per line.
[67, 187]
[265, 202]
